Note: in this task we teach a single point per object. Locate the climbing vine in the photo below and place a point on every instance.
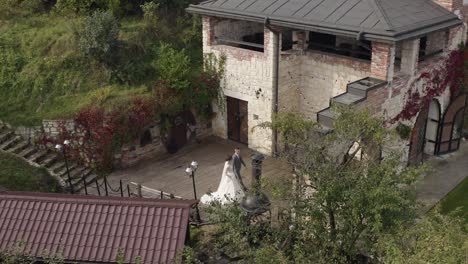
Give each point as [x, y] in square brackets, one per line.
[448, 76]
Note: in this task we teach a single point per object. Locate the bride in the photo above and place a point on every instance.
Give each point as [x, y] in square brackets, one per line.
[229, 188]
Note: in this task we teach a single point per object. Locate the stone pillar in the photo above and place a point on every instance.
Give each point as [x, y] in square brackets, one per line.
[454, 37]
[409, 56]
[450, 5]
[435, 42]
[300, 40]
[208, 31]
[383, 60]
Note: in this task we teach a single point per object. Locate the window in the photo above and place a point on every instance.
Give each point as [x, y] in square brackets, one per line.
[240, 34]
[286, 40]
[322, 41]
[345, 46]
[422, 48]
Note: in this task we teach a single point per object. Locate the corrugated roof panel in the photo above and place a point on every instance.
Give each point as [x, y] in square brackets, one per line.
[381, 19]
[302, 11]
[340, 12]
[275, 7]
[243, 5]
[324, 10]
[94, 228]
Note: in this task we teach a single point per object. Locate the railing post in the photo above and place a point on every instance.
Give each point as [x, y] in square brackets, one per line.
[121, 189]
[105, 186]
[139, 190]
[97, 186]
[162, 195]
[84, 183]
[128, 190]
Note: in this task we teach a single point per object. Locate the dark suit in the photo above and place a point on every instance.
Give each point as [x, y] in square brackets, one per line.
[237, 163]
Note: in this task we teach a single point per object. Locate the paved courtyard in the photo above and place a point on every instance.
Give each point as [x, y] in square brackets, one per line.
[167, 173]
[447, 172]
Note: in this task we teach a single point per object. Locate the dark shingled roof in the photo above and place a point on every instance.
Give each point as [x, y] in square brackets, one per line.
[93, 229]
[385, 20]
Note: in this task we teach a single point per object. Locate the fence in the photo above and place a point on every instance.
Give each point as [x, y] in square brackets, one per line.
[104, 188]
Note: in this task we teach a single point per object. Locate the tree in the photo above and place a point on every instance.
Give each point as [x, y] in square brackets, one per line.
[435, 239]
[345, 198]
[98, 36]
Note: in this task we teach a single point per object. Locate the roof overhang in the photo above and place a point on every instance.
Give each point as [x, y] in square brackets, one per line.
[398, 34]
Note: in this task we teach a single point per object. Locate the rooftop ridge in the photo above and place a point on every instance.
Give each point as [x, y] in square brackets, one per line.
[89, 199]
[382, 14]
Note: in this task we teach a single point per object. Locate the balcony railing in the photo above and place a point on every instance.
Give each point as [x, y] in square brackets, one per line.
[240, 44]
[344, 49]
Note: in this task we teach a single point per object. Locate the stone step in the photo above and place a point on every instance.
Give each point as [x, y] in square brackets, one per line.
[91, 185]
[27, 152]
[18, 147]
[38, 155]
[77, 172]
[49, 160]
[58, 165]
[10, 142]
[5, 135]
[361, 87]
[326, 117]
[357, 89]
[63, 172]
[347, 99]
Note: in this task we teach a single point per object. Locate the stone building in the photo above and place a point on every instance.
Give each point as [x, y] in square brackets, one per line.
[303, 55]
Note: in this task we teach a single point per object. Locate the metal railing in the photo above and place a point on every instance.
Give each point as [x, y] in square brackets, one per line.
[240, 44]
[344, 51]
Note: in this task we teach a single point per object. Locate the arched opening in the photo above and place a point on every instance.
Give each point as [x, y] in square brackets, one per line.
[432, 127]
[450, 133]
[146, 138]
[418, 138]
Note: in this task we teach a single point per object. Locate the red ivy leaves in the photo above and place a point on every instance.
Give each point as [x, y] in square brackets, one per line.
[97, 130]
[449, 76]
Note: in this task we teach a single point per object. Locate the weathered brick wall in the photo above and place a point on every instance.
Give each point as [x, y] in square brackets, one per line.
[382, 55]
[436, 41]
[309, 79]
[390, 100]
[52, 128]
[248, 77]
[450, 5]
[290, 82]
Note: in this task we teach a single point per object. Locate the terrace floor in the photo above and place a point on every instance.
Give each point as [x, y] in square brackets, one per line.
[167, 173]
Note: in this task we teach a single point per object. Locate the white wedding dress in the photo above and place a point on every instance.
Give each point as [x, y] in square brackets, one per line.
[229, 188]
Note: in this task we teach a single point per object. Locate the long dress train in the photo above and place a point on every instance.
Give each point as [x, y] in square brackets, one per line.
[229, 188]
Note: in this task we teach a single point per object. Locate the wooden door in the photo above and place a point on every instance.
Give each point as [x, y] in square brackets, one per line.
[451, 127]
[237, 121]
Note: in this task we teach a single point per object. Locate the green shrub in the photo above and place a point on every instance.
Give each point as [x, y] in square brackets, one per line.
[99, 35]
[403, 131]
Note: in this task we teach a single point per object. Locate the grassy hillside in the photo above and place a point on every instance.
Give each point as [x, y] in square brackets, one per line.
[44, 74]
[17, 175]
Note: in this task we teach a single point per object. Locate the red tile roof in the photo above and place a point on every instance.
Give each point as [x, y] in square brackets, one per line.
[93, 229]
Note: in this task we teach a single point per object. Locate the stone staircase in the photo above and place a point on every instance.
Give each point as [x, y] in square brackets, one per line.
[355, 92]
[39, 157]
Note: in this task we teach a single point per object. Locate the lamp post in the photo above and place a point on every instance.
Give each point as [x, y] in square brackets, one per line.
[256, 202]
[191, 169]
[62, 148]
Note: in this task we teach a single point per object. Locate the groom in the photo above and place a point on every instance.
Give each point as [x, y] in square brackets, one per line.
[237, 165]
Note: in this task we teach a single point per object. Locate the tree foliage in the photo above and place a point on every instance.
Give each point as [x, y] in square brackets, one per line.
[98, 36]
[436, 238]
[345, 196]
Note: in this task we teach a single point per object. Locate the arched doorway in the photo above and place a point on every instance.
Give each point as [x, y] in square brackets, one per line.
[418, 138]
[432, 127]
[451, 129]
